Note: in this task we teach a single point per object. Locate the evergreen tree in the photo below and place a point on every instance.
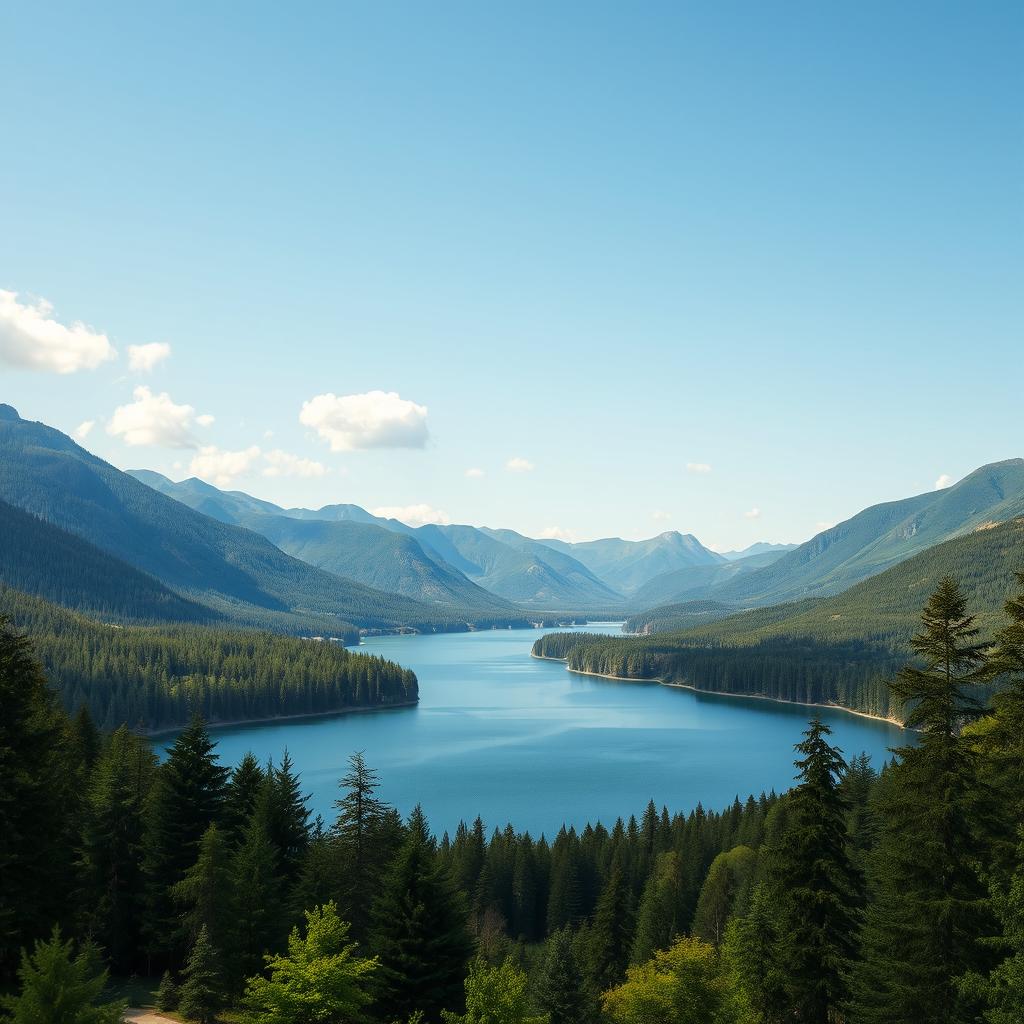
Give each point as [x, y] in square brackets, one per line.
[419, 931]
[287, 818]
[822, 890]
[243, 791]
[186, 798]
[168, 995]
[202, 995]
[206, 896]
[59, 986]
[724, 892]
[611, 936]
[658, 919]
[111, 855]
[752, 948]
[927, 910]
[38, 803]
[319, 979]
[559, 989]
[361, 841]
[259, 902]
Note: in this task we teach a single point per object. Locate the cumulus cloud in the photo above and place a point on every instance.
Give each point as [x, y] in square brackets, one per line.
[31, 339]
[143, 358]
[205, 420]
[376, 419]
[698, 467]
[519, 465]
[944, 481]
[281, 463]
[153, 419]
[220, 467]
[660, 515]
[413, 515]
[557, 533]
[474, 473]
[84, 428]
[754, 513]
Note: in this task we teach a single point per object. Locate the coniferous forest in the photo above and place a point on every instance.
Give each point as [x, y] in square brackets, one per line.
[867, 893]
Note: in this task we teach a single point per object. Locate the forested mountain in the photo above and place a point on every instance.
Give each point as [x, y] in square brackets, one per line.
[157, 677]
[626, 565]
[695, 582]
[839, 649]
[39, 558]
[509, 568]
[235, 571]
[674, 617]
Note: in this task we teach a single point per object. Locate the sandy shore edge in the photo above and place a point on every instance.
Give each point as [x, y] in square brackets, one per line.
[720, 693]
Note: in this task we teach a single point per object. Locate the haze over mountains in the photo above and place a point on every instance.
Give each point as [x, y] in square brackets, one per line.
[230, 556]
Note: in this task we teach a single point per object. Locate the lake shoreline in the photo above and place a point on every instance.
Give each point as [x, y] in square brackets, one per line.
[720, 693]
[272, 719]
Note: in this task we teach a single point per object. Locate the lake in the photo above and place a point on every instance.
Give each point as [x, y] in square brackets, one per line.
[516, 739]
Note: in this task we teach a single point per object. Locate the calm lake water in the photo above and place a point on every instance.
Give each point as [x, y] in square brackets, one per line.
[512, 738]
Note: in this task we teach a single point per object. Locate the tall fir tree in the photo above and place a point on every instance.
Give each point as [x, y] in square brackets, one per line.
[261, 915]
[419, 932]
[927, 910]
[111, 845]
[38, 803]
[186, 798]
[559, 987]
[822, 889]
[202, 994]
[611, 936]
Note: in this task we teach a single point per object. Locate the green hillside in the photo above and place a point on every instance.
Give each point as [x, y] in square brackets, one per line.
[39, 558]
[155, 677]
[238, 573]
[837, 650]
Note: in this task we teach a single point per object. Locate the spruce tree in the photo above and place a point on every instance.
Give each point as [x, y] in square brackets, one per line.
[38, 803]
[359, 833]
[243, 791]
[187, 797]
[261, 918]
[58, 985]
[821, 888]
[611, 936]
[658, 919]
[202, 995]
[112, 835]
[419, 931]
[927, 911]
[559, 988]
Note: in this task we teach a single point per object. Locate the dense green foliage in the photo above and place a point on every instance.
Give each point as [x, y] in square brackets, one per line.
[155, 677]
[839, 650]
[854, 899]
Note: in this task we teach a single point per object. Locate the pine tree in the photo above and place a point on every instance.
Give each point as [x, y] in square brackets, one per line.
[206, 896]
[658, 919]
[752, 946]
[58, 985]
[112, 833]
[288, 820]
[559, 988]
[360, 835]
[611, 937]
[187, 797]
[201, 995]
[38, 803]
[419, 931]
[243, 791]
[927, 909]
[821, 888]
[168, 995]
[259, 903]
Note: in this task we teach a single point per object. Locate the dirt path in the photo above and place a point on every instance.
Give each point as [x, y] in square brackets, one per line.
[139, 1016]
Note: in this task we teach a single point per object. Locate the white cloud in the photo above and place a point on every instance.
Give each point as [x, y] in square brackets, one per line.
[698, 467]
[281, 463]
[377, 419]
[754, 513]
[83, 429]
[143, 358]
[557, 533]
[474, 473]
[944, 481]
[221, 467]
[153, 419]
[519, 465]
[205, 420]
[413, 515]
[31, 339]
[661, 515]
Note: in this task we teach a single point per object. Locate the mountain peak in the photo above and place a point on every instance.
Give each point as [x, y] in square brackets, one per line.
[8, 413]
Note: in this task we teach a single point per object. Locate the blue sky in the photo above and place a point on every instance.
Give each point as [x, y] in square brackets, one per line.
[779, 244]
